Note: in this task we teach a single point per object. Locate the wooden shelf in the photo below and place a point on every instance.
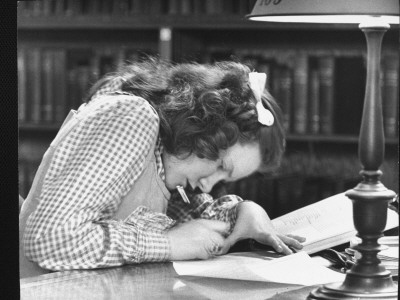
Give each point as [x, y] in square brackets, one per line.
[334, 138]
[24, 127]
[84, 38]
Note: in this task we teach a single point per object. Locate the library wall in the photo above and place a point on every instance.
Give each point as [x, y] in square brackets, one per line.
[317, 75]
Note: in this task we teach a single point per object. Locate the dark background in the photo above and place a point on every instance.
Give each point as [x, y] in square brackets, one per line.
[64, 46]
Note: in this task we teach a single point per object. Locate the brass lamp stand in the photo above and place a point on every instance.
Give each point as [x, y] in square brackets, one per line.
[367, 279]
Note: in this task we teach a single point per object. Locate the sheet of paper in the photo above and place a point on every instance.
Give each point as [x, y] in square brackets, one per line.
[226, 289]
[297, 268]
[389, 253]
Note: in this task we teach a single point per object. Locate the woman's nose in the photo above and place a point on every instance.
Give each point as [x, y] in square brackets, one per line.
[205, 186]
[207, 183]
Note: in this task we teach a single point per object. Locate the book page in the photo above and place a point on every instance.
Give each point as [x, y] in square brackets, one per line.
[329, 222]
[321, 219]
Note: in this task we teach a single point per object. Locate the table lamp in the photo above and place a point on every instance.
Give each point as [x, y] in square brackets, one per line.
[367, 279]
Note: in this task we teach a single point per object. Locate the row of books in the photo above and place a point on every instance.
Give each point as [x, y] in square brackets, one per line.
[318, 93]
[322, 92]
[51, 81]
[43, 8]
[306, 178]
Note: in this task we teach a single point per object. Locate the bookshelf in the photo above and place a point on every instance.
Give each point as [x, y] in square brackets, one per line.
[317, 75]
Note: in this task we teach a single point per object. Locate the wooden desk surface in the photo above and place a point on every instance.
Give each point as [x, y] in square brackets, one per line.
[150, 281]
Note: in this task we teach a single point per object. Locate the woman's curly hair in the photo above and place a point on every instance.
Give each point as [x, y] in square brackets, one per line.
[204, 108]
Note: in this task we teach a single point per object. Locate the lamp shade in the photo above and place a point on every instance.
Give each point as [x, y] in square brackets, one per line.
[325, 11]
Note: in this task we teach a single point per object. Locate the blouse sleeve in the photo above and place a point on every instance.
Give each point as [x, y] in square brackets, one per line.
[91, 170]
[204, 206]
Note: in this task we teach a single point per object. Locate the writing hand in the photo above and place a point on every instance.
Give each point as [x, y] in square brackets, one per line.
[253, 222]
[197, 239]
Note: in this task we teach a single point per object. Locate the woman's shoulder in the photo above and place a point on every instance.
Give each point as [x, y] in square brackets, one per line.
[123, 104]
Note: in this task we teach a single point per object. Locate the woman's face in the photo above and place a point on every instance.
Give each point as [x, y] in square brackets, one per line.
[235, 163]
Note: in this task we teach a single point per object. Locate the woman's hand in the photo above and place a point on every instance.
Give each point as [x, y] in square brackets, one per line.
[253, 222]
[197, 239]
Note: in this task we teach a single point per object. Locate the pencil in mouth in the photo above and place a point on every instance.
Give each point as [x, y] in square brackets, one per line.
[182, 193]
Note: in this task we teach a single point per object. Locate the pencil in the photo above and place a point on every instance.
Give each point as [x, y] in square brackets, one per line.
[182, 193]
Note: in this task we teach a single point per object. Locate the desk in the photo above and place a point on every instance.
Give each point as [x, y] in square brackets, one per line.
[149, 281]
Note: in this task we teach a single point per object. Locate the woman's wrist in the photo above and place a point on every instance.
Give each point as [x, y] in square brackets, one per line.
[246, 206]
[245, 214]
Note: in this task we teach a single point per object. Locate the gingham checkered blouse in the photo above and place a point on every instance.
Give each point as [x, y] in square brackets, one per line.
[96, 164]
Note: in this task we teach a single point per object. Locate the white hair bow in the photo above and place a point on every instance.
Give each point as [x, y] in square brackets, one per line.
[257, 84]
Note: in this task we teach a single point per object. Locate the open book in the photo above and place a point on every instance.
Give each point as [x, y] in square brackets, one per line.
[326, 223]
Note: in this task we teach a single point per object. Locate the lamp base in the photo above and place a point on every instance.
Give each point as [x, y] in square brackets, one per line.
[368, 288]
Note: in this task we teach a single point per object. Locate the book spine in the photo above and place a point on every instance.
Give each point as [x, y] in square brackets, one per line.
[119, 58]
[47, 8]
[106, 7]
[275, 78]
[107, 60]
[72, 8]
[96, 7]
[285, 88]
[72, 88]
[313, 112]
[214, 7]
[228, 6]
[300, 86]
[37, 8]
[349, 89]
[243, 7]
[83, 79]
[34, 84]
[187, 7]
[59, 8]
[94, 65]
[390, 97]
[165, 43]
[327, 73]
[198, 7]
[47, 86]
[60, 85]
[120, 7]
[24, 8]
[153, 7]
[22, 85]
[174, 7]
[135, 7]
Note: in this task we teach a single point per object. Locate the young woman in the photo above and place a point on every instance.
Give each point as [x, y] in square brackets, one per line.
[128, 177]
